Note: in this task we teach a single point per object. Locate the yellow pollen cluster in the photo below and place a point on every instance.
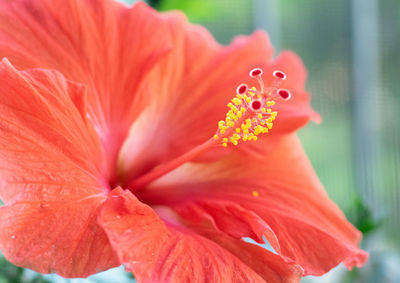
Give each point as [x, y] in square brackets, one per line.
[243, 121]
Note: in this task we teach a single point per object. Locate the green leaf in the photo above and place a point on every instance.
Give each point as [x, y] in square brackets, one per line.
[362, 217]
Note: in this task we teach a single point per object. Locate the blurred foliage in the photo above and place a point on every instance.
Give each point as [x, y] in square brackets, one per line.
[10, 273]
[154, 3]
[195, 10]
[362, 217]
[224, 18]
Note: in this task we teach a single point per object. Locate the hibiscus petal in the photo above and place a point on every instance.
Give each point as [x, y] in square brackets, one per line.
[191, 87]
[267, 264]
[277, 196]
[51, 176]
[167, 252]
[56, 237]
[101, 43]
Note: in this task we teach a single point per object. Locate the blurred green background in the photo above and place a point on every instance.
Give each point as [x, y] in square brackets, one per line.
[351, 50]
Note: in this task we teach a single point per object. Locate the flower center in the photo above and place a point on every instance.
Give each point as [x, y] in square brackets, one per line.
[250, 111]
[250, 114]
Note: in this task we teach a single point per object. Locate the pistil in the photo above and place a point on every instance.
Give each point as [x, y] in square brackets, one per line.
[142, 181]
[250, 114]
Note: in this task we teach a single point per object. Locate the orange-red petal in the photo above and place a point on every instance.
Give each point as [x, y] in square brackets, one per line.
[191, 87]
[103, 44]
[276, 195]
[51, 172]
[60, 237]
[157, 251]
[271, 267]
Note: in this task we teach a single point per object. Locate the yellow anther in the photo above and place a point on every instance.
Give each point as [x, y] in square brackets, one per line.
[233, 141]
[252, 91]
[258, 130]
[236, 101]
[245, 119]
[231, 117]
[255, 194]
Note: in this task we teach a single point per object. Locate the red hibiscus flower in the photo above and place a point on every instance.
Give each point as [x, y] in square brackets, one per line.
[107, 154]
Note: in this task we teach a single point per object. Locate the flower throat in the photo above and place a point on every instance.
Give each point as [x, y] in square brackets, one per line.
[250, 114]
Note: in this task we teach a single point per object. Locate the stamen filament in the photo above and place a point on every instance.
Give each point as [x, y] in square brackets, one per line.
[250, 115]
